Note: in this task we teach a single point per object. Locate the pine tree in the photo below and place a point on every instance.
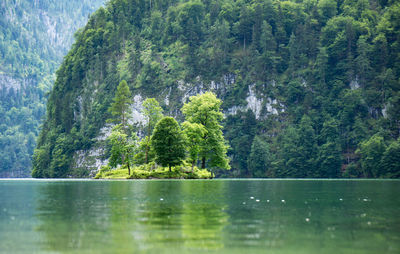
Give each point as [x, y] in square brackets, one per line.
[259, 159]
[120, 108]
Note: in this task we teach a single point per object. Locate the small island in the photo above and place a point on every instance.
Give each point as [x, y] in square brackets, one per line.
[165, 149]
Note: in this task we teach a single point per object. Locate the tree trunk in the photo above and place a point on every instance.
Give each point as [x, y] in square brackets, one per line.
[129, 169]
[169, 168]
[193, 165]
[147, 143]
[203, 163]
[147, 154]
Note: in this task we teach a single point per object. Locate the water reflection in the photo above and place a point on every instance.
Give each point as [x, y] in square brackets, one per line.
[130, 216]
[200, 216]
[204, 216]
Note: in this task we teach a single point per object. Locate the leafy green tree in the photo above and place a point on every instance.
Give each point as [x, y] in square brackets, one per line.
[371, 152]
[322, 64]
[122, 148]
[60, 164]
[362, 60]
[391, 160]
[328, 160]
[120, 108]
[268, 59]
[204, 109]
[41, 162]
[194, 134]
[327, 9]
[168, 142]
[259, 159]
[291, 158]
[153, 113]
[298, 150]
[394, 115]
[143, 146]
[243, 128]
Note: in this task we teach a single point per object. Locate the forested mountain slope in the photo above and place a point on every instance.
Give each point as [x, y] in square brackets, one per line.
[309, 88]
[34, 37]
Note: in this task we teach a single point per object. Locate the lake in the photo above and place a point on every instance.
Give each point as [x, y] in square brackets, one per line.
[200, 216]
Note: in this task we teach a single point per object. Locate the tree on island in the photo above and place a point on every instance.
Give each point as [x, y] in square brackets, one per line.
[193, 133]
[168, 142]
[123, 145]
[204, 109]
[122, 148]
[153, 113]
[120, 108]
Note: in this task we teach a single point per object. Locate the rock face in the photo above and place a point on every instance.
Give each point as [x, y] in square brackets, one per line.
[93, 158]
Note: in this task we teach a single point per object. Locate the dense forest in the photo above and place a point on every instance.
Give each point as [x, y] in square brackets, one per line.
[310, 88]
[34, 37]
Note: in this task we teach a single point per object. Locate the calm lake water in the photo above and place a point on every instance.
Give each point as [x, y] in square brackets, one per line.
[212, 216]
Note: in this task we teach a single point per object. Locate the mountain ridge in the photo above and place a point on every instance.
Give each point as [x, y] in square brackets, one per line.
[309, 87]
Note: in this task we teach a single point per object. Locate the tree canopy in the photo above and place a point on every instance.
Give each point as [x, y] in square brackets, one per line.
[168, 142]
[204, 110]
[120, 108]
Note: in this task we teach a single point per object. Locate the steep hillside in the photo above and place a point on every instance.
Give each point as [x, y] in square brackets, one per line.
[34, 37]
[310, 88]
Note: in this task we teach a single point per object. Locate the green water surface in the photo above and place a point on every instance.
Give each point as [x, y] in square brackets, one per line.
[207, 216]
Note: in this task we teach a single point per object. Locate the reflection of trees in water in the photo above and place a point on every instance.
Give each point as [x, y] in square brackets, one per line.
[122, 199]
[127, 216]
[158, 215]
[180, 215]
[203, 217]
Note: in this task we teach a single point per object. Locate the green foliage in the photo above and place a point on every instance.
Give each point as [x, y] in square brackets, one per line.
[329, 160]
[123, 148]
[153, 113]
[31, 49]
[145, 149]
[120, 108]
[371, 152]
[168, 142]
[205, 110]
[298, 150]
[391, 160]
[315, 80]
[260, 159]
[194, 134]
